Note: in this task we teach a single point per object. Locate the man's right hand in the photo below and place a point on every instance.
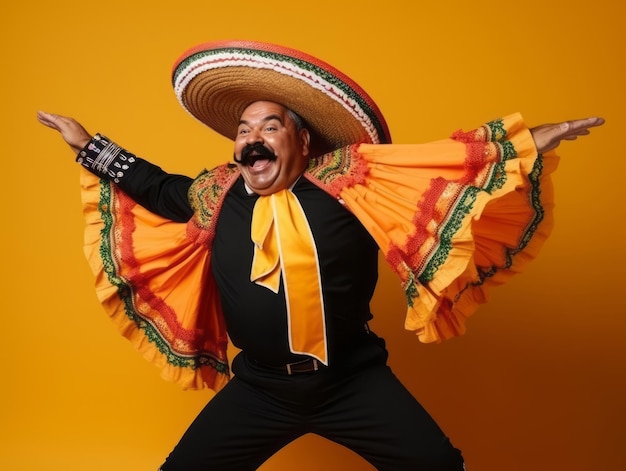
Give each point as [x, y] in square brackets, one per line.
[71, 130]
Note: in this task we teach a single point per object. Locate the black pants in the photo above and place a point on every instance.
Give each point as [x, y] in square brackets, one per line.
[358, 403]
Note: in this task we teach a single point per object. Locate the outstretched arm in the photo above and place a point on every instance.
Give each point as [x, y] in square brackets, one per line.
[548, 136]
[158, 191]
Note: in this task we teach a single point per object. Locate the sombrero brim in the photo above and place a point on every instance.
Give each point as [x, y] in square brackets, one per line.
[216, 81]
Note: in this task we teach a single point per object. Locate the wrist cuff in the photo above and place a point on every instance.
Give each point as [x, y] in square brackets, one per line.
[103, 157]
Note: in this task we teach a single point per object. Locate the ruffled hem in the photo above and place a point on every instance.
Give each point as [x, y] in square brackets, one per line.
[455, 217]
[147, 274]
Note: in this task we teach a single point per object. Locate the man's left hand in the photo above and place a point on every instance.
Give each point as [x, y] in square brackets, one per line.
[548, 136]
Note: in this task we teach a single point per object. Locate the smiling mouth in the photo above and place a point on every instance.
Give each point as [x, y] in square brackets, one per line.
[259, 163]
[254, 153]
[257, 158]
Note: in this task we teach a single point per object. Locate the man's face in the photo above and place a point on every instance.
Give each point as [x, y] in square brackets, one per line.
[269, 150]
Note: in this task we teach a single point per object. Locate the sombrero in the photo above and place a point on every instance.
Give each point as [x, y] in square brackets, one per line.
[216, 81]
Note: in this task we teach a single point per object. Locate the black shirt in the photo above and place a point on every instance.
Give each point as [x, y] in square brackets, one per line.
[256, 318]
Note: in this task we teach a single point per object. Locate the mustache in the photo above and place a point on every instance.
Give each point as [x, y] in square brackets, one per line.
[253, 152]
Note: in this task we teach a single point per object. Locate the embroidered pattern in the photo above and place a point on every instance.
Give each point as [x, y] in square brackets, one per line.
[446, 204]
[338, 169]
[206, 196]
[186, 353]
[492, 131]
[539, 213]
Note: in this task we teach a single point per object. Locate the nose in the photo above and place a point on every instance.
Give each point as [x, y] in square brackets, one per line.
[254, 136]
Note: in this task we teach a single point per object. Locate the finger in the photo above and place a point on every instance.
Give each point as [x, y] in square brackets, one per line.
[578, 127]
[586, 123]
[573, 135]
[48, 119]
[42, 116]
[47, 116]
[579, 132]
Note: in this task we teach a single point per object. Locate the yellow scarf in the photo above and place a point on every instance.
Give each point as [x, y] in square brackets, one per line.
[283, 243]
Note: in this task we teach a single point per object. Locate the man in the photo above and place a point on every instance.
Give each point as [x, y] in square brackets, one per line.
[283, 245]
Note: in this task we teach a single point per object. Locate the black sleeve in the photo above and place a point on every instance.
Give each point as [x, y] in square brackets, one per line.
[160, 192]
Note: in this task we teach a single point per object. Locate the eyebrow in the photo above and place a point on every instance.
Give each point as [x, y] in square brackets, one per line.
[264, 120]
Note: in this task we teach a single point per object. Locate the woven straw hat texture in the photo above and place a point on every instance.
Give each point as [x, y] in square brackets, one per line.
[216, 81]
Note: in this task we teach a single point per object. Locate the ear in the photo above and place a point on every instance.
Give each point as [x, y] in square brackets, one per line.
[305, 140]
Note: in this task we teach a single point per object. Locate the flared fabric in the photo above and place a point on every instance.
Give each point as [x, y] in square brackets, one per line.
[453, 218]
[154, 283]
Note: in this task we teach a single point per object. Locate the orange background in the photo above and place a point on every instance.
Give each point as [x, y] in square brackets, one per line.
[537, 383]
